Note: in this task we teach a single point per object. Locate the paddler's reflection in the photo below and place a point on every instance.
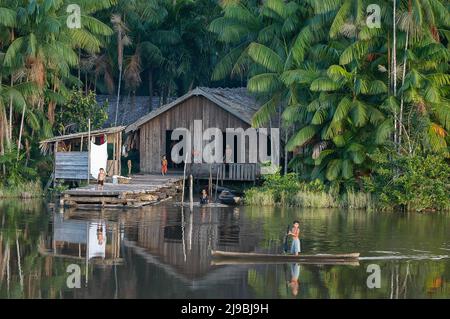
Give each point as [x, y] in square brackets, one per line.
[294, 283]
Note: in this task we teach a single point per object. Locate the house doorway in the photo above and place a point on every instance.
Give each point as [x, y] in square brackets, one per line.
[168, 152]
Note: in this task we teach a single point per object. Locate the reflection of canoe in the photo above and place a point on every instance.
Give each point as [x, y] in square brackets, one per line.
[242, 261]
[197, 204]
[259, 257]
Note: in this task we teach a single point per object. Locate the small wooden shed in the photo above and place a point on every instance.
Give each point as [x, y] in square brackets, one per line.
[71, 154]
[217, 108]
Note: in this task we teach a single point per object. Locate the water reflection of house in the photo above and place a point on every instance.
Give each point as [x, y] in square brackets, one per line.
[95, 241]
[162, 237]
[173, 245]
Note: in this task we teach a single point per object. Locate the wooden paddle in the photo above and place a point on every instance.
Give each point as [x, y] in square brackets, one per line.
[286, 245]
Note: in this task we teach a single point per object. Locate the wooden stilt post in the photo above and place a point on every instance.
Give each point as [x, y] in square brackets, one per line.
[54, 164]
[217, 184]
[89, 152]
[210, 181]
[191, 192]
[184, 182]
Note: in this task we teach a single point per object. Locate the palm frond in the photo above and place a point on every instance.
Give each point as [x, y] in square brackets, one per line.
[265, 57]
[302, 137]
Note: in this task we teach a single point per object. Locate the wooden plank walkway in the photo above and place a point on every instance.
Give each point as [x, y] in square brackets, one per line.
[141, 191]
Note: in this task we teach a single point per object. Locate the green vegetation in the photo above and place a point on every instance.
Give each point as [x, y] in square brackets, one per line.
[412, 183]
[24, 190]
[38, 58]
[345, 95]
[71, 117]
[417, 183]
[287, 190]
[344, 91]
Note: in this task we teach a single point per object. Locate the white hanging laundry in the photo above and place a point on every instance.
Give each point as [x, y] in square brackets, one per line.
[99, 158]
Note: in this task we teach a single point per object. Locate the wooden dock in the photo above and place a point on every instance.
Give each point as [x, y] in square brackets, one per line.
[141, 191]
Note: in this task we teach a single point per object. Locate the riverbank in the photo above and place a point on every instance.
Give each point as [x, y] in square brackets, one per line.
[409, 192]
[308, 199]
[24, 191]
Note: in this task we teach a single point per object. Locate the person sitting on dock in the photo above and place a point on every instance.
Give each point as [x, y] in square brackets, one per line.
[164, 164]
[204, 198]
[295, 232]
[101, 178]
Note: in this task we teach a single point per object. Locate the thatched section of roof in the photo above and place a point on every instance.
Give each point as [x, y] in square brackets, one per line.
[237, 101]
[44, 145]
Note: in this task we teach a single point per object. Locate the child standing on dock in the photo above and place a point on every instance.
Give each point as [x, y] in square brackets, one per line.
[164, 164]
[295, 233]
[101, 178]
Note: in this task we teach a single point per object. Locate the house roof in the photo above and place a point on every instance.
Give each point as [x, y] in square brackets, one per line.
[237, 101]
[44, 145]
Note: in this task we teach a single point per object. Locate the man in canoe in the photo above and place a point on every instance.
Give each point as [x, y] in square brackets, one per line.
[295, 233]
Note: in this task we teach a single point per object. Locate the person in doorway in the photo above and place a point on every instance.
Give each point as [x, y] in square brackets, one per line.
[129, 164]
[228, 154]
[295, 233]
[204, 199]
[101, 178]
[164, 164]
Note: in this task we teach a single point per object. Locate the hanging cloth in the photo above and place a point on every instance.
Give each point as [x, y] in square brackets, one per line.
[99, 158]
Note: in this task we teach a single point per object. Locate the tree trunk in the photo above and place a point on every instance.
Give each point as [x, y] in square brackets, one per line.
[11, 112]
[394, 48]
[79, 69]
[21, 130]
[95, 83]
[402, 99]
[2, 145]
[5, 130]
[119, 62]
[86, 85]
[28, 150]
[394, 66]
[150, 88]
[285, 152]
[118, 95]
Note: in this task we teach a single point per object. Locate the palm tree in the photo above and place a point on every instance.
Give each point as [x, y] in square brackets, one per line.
[122, 41]
[39, 53]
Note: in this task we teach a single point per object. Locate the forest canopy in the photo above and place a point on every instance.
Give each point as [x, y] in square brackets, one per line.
[344, 89]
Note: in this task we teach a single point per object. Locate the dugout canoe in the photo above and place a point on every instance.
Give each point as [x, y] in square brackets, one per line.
[238, 257]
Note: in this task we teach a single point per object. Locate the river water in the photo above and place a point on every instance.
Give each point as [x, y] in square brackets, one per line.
[164, 252]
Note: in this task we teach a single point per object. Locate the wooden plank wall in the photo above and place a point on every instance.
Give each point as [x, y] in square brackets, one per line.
[226, 172]
[71, 165]
[152, 142]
